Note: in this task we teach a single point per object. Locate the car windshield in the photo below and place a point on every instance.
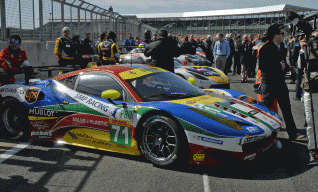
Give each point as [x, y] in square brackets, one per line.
[132, 59]
[137, 50]
[163, 86]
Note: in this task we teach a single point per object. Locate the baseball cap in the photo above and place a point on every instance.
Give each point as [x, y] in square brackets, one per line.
[209, 36]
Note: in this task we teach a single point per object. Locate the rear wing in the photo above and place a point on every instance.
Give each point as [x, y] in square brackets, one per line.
[48, 69]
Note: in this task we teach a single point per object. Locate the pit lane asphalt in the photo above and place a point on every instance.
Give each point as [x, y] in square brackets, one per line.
[42, 167]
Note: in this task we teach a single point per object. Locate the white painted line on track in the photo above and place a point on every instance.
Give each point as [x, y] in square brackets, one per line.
[14, 150]
[206, 183]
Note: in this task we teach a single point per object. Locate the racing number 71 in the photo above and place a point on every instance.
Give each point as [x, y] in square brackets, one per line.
[120, 135]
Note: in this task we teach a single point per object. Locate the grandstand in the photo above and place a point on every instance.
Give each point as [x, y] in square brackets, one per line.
[243, 21]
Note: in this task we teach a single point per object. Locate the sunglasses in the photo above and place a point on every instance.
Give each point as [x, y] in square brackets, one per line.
[15, 42]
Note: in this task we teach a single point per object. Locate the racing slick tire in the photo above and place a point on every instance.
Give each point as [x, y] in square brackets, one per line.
[163, 143]
[14, 120]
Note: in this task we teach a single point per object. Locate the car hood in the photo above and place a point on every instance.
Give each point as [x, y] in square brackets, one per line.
[227, 111]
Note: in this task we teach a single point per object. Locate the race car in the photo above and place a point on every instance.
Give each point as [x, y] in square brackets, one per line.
[206, 77]
[194, 59]
[140, 110]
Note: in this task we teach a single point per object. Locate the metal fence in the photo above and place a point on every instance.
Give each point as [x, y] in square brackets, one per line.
[43, 20]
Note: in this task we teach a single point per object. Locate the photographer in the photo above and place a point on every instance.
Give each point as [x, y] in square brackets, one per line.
[310, 90]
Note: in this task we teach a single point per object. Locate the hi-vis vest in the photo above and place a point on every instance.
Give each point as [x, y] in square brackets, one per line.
[64, 47]
[107, 50]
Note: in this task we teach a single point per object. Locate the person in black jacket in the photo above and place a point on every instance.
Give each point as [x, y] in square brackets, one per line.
[246, 50]
[207, 48]
[86, 50]
[273, 78]
[78, 48]
[187, 47]
[162, 51]
[147, 37]
[194, 43]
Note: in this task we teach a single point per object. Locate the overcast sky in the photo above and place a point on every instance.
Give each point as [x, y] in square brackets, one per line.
[173, 6]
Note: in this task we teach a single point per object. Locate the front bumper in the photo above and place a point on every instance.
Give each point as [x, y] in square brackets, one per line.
[208, 156]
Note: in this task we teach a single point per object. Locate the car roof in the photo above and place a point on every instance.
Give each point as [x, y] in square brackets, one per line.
[113, 69]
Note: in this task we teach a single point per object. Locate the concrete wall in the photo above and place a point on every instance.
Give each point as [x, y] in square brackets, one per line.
[39, 54]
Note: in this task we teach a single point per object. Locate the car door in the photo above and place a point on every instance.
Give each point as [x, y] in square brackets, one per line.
[100, 124]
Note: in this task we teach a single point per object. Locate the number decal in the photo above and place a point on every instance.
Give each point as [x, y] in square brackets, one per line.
[120, 134]
[117, 128]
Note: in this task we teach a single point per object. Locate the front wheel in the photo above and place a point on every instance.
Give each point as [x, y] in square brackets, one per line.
[162, 142]
[14, 124]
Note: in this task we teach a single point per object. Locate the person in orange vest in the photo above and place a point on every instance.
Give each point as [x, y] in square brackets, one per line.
[258, 81]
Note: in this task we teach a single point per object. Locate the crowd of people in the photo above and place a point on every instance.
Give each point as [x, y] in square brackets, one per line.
[267, 58]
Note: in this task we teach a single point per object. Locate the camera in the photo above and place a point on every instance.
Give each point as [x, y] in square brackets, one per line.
[299, 25]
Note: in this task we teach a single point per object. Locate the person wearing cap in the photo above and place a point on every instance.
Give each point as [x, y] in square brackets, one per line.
[273, 83]
[221, 52]
[64, 50]
[108, 50]
[12, 60]
[229, 61]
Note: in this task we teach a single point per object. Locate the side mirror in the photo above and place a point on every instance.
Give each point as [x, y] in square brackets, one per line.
[191, 80]
[110, 94]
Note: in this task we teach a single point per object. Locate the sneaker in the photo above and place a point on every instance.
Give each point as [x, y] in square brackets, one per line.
[313, 157]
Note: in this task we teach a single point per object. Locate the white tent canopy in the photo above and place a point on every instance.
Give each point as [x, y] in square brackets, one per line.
[229, 12]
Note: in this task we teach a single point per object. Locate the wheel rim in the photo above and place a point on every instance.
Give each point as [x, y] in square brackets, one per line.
[160, 141]
[12, 120]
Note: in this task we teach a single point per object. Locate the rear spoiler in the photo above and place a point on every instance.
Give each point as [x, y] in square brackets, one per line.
[49, 70]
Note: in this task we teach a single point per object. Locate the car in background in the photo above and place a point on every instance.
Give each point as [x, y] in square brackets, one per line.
[206, 77]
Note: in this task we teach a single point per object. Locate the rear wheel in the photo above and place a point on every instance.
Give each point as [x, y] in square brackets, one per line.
[14, 123]
[162, 142]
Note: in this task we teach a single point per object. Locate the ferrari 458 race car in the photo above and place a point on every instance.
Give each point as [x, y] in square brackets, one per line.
[139, 110]
[205, 76]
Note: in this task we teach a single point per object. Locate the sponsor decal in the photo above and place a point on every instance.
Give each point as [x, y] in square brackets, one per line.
[32, 94]
[40, 125]
[250, 157]
[41, 133]
[41, 112]
[90, 121]
[119, 122]
[198, 157]
[252, 129]
[11, 90]
[126, 114]
[252, 139]
[210, 140]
